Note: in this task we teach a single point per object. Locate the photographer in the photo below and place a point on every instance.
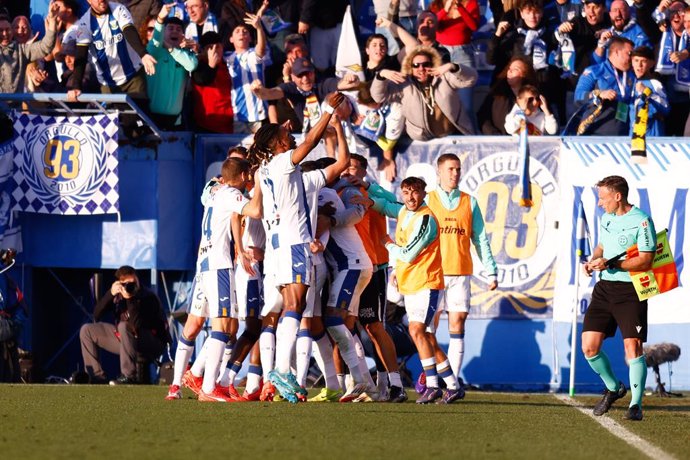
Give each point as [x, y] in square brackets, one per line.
[140, 328]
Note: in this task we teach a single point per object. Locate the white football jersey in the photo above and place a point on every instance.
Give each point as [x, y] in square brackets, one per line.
[345, 249]
[286, 212]
[217, 247]
[115, 61]
[314, 181]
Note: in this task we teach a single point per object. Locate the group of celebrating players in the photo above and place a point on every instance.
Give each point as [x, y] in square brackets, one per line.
[305, 258]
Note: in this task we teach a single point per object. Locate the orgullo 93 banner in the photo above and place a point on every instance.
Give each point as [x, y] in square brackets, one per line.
[65, 165]
[523, 240]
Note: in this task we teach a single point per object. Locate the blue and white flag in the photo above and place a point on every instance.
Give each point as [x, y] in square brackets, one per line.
[65, 165]
[583, 248]
[10, 232]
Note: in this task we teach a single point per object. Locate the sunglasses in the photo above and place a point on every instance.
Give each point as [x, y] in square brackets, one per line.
[425, 65]
[149, 29]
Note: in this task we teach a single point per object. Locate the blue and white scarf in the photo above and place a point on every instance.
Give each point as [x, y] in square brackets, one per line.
[534, 46]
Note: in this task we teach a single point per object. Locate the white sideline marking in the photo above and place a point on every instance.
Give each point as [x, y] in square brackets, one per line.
[616, 429]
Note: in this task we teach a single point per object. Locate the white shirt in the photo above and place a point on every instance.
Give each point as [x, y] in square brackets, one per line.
[314, 181]
[345, 249]
[286, 215]
[244, 69]
[217, 247]
[115, 61]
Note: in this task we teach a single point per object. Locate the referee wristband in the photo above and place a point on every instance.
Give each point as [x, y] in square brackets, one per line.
[329, 109]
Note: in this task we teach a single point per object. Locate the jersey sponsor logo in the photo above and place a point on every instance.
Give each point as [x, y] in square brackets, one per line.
[114, 40]
[450, 230]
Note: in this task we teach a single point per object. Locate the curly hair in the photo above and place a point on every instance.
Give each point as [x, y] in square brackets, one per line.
[420, 50]
[261, 149]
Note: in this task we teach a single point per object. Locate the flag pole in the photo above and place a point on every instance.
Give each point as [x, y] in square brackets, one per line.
[573, 329]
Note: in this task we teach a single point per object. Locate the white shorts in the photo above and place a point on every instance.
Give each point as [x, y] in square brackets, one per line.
[421, 306]
[347, 287]
[214, 294]
[273, 301]
[456, 296]
[292, 265]
[314, 306]
[249, 291]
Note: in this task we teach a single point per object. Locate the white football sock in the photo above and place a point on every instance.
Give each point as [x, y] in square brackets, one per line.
[200, 362]
[185, 348]
[362, 362]
[456, 352]
[346, 345]
[286, 336]
[323, 354]
[214, 354]
[267, 350]
[429, 366]
[446, 373]
[303, 355]
[395, 380]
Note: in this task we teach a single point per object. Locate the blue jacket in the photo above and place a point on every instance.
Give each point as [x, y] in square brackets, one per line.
[635, 34]
[658, 108]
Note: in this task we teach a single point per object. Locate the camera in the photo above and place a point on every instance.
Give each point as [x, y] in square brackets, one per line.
[130, 287]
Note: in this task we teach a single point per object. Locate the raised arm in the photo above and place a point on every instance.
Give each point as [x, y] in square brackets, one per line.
[333, 171]
[312, 138]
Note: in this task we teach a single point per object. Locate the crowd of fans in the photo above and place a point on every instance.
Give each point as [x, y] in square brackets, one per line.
[224, 66]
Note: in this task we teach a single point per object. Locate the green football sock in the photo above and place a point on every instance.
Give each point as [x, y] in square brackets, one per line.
[601, 365]
[638, 377]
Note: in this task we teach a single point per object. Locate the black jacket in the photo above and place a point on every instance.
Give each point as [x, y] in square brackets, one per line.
[142, 312]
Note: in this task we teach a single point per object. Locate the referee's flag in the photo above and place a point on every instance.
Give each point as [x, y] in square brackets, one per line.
[583, 248]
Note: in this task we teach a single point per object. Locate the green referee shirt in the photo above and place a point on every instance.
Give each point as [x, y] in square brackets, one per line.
[618, 233]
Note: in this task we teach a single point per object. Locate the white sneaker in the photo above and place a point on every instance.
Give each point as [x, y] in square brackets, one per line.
[354, 392]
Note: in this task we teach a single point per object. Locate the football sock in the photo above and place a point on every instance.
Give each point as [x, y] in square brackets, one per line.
[200, 362]
[303, 355]
[253, 378]
[267, 349]
[429, 366]
[638, 378]
[346, 346]
[323, 354]
[456, 351]
[286, 336]
[381, 380]
[225, 378]
[229, 374]
[341, 382]
[395, 380]
[446, 373]
[185, 348]
[362, 362]
[214, 354]
[601, 365]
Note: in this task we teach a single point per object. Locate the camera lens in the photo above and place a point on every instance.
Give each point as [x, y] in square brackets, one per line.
[130, 287]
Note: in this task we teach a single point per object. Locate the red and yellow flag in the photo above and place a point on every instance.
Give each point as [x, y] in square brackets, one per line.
[662, 277]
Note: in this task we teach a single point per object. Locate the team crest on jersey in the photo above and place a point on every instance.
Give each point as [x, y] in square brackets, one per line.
[114, 25]
[522, 240]
[623, 241]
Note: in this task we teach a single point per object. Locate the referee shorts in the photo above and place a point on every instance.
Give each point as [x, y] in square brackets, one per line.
[615, 304]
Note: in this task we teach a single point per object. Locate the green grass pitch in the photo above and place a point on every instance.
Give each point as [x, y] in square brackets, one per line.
[135, 422]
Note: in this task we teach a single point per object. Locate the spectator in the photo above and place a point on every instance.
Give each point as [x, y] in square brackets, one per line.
[294, 47]
[304, 93]
[21, 28]
[535, 109]
[201, 20]
[323, 20]
[457, 21]
[67, 21]
[585, 32]
[529, 37]
[13, 316]
[648, 88]
[146, 30]
[560, 11]
[211, 84]
[401, 12]
[246, 64]
[427, 24]
[139, 329]
[623, 25]
[67, 56]
[230, 15]
[15, 56]
[142, 9]
[426, 90]
[120, 69]
[503, 94]
[608, 88]
[673, 63]
[167, 85]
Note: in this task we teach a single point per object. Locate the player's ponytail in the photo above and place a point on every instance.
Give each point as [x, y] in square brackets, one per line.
[264, 140]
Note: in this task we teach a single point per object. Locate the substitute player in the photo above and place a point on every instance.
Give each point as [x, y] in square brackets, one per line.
[614, 299]
[461, 222]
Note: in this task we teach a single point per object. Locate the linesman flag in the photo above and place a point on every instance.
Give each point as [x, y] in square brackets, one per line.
[583, 248]
[662, 277]
[523, 151]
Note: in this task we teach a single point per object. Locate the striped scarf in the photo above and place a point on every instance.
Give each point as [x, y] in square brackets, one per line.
[638, 143]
